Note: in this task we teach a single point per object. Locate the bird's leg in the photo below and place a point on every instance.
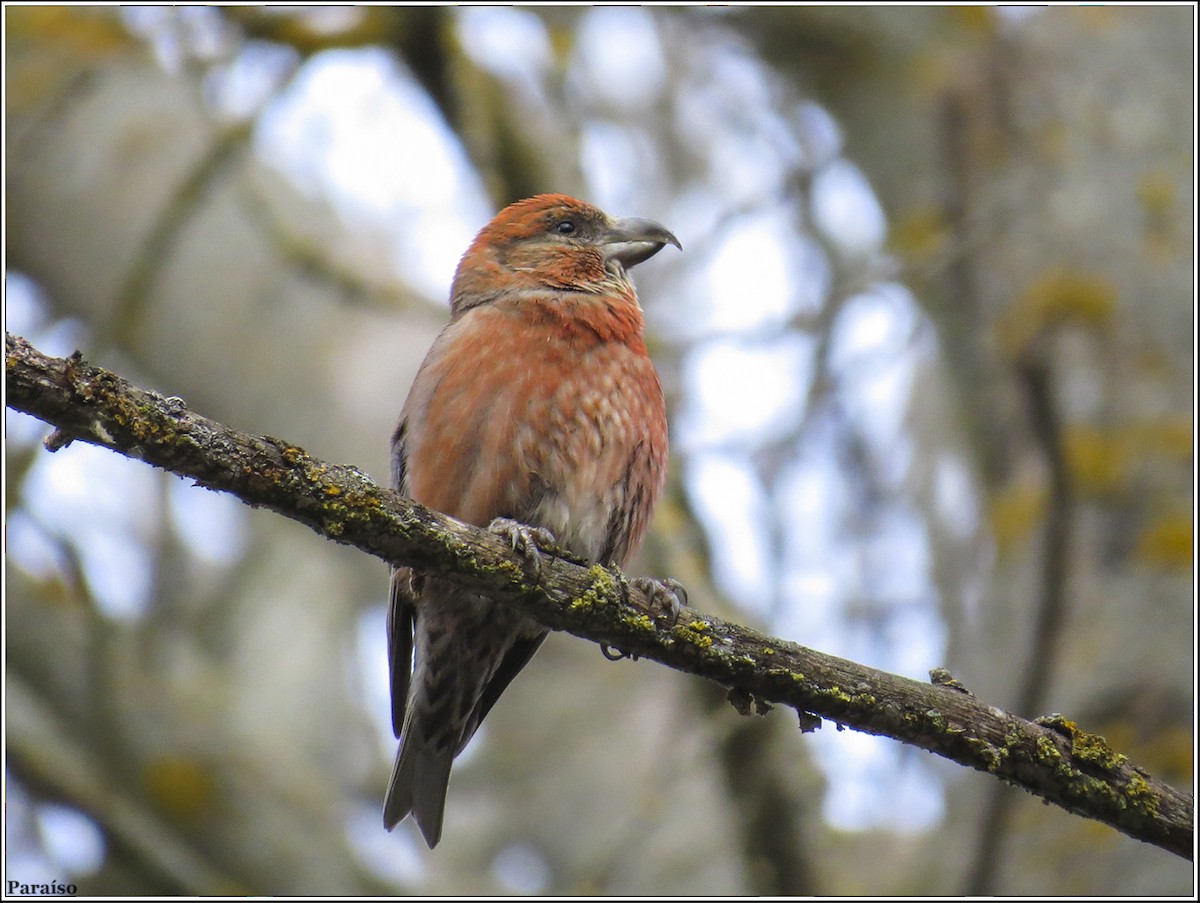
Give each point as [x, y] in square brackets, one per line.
[666, 596]
[524, 541]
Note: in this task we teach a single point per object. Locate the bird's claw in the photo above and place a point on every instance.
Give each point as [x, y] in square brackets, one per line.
[615, 655]
[525, 541]
[666, 596]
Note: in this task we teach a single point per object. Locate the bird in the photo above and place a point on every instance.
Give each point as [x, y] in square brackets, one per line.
[537, 414]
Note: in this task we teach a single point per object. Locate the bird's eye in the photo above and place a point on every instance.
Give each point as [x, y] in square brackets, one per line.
[565, 227]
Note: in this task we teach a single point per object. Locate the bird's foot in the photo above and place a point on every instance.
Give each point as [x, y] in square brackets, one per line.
[525, 541]
[667, 596]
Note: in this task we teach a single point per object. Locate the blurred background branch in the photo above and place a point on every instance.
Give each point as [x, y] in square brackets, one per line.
[1037, 378]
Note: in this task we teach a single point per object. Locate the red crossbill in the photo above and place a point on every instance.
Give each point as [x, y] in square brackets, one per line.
[537, 405]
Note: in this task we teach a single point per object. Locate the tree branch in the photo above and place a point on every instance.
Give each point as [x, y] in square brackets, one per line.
[1049, 757]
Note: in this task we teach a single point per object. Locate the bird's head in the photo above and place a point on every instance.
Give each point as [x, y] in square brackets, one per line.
[555, 242]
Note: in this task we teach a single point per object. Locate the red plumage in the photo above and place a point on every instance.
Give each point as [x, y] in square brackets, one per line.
[538, 403]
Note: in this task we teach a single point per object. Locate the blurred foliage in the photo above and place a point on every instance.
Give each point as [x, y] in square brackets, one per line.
[1169, 541]
[1015, 511]
[1055, 299]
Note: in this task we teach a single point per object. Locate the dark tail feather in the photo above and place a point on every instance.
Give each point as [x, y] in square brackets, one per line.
[418, 785]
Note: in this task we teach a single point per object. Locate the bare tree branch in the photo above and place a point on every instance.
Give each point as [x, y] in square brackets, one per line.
[1049, 757]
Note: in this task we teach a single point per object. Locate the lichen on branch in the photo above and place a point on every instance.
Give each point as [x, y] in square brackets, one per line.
[1051, 758]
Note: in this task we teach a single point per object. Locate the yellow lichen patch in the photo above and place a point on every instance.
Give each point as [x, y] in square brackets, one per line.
[1093, 749]
[1168, 542]
[1059, 723]
[1014, 512]
[1140, 795]
[179, 786]
[1047, 752]
[1097, 459]
[693, 634]
[602, 589]
[639, 622]
[993, 757]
